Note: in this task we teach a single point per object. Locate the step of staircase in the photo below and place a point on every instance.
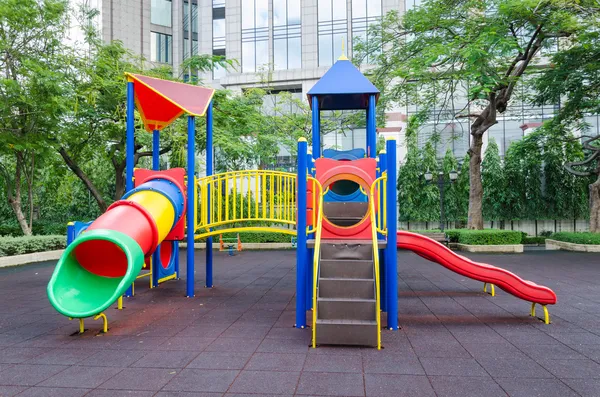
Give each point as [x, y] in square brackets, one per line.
[349, 268]
[346, 309]
[346, 288]
[346, 332]
[356, 250]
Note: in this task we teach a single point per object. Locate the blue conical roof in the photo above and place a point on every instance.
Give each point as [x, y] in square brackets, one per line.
[343, 87]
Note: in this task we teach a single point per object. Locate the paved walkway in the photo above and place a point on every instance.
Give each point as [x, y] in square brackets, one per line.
[237, 339]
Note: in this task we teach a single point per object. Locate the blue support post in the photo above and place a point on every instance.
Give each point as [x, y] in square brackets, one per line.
[155, 167]
[371, 129]
[301, 249]
[316, 128]
[191, 221]
[209, 171]
[129, 148]
[391, 257]
[382, 295]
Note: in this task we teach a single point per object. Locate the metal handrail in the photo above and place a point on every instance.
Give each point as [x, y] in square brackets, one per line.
[374, 231]
[316, 260]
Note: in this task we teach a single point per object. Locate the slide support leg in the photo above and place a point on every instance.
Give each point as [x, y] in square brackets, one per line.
[120, 303]
[492, 289]
[546, 313]
[104, 321]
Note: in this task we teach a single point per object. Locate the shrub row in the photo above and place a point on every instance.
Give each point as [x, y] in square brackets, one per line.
[484, 237]
[534, 240]
[41, 228]
[257, 237]
[577, 238]
[28, 244]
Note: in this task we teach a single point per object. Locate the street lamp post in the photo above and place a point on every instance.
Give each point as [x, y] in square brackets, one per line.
[441, 183]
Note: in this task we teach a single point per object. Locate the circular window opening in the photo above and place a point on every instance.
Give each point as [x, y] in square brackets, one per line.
[345, 213]
[344, 187]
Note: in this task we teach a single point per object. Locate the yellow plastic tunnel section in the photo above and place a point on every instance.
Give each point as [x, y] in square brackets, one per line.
[159, 207]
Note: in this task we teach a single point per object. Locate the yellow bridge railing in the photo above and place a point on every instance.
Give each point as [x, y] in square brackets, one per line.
[262, 200]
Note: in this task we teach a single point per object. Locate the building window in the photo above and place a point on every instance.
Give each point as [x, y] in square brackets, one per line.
[219, 37]
[365, 14]
[410, 4]
[186, 47]
[282, 102]
[287, 49]
[161, 47]
[332, 30]
[160, 12]
[186, 17]
[255, 35]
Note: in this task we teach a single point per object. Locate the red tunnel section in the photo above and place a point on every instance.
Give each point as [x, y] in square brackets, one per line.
[106, 259]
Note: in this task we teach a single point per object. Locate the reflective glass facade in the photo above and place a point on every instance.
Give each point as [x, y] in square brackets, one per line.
[365, 14]
[161, 47]
[332, 30]
[287, 30]
[161, 12]
[255, 35]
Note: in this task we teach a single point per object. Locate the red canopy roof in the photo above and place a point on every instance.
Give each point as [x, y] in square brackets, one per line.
[160, 102]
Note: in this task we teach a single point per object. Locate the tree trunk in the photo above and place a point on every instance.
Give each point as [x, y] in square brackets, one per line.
[475, 215]
[84, 178]
[595, 206]
[15, 200]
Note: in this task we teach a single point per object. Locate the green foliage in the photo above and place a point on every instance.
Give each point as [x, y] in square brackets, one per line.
[40, 228]
[577, 238]
[259, 237]
[489, 237]
[494, 186]
[29, 244]
[534, 240]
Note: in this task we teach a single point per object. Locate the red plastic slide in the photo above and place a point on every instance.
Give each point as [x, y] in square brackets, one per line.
[509, 282]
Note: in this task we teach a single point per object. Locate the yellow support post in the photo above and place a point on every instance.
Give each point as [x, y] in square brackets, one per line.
[120, 303]
[104, 321]
[546, 313]
[492, 289]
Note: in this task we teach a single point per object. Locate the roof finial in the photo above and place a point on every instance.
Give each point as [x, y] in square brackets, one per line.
[343, 57]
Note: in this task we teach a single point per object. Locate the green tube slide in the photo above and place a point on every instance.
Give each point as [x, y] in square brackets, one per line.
[78, 293]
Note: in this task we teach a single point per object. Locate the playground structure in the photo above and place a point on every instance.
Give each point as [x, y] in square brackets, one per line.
[339, 206]
[230, 244]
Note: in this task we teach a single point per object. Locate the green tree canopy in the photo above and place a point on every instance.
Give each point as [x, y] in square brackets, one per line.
[465, 58]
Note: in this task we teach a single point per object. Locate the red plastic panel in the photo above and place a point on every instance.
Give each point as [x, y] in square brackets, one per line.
[166, 251]
[508, 281]
[177, 176]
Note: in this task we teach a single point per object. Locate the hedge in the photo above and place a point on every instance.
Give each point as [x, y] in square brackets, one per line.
[487, 237]
[577, 238]
[257, 237]
[41, 228]
[534, 240]
[28, 244]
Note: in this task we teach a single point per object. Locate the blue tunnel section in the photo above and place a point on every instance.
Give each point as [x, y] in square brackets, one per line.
[345, 191]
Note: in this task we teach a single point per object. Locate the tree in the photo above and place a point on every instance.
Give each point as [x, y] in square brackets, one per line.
[493, 182]
[410, 178]
[430, 198]
[471, 53]
[574, 80]
[451, 204]
[30, 88]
